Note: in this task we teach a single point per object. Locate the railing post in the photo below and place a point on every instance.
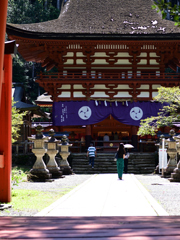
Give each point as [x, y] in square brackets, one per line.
[25, 146]
[80, 146]
[17, 148]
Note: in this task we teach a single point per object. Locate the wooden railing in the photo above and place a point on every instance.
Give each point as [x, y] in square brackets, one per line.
[101, 146]
[22, 147]
[80, 146]
[108, 76]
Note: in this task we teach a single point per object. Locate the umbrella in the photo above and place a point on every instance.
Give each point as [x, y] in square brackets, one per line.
[128, 145]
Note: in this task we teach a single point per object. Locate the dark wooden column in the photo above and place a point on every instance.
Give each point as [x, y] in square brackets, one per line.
[134, 137]
[88, 137]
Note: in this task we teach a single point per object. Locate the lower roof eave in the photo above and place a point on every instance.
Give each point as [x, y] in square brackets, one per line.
[88, 36]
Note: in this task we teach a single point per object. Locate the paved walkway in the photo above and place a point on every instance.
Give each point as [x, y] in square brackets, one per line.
[106, 195]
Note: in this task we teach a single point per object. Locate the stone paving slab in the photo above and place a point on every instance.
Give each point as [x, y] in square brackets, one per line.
[106, 195]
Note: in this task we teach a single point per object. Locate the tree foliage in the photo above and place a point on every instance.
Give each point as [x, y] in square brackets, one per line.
[167, 8]
[169, 113]
[23, 11]
[17, 121]
[25, 73]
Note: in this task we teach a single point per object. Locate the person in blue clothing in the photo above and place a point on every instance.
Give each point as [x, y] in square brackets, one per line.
[91, 153]
[120, 155]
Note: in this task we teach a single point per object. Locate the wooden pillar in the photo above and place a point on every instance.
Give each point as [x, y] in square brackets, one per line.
[5, 132]
[88, 136]
[134, 137]
[3, 15]
[5, 116]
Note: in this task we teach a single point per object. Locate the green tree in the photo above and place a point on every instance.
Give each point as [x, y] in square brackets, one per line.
[23, 11]
[167, 8]
[169, 113]
[26, 73]
[17, 121]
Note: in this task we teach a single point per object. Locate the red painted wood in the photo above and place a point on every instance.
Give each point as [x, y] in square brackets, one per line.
[47, 52]
[3, 14]
[5, 131]
[109, 75]
[52, 83]
[133, 228]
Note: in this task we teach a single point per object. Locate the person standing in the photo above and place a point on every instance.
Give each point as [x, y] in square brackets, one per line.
[91, 153]
[120, 155]
[116, 137]
[106, 138]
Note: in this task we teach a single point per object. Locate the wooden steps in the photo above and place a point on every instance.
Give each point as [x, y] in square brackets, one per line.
[139, 163]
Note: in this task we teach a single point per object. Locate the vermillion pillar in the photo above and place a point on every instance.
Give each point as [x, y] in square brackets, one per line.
[5, 132]
[5, 111]
[3, 15]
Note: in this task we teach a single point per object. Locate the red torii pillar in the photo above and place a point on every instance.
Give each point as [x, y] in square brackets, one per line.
[5, 111]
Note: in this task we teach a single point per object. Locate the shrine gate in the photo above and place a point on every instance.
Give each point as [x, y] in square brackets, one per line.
[107, 54]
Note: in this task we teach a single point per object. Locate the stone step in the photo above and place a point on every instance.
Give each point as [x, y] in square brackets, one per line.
[110, 162]
[96, 171]
[104, 163]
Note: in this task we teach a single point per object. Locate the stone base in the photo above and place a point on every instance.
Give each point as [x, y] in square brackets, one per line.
[166, 175]
[5, 206]
[39, 176]
[177, 170]
[66, 170]
[169, 170]
[156, 170]
[175, 177]
[55, 171]
[56, 174]
[174, 180]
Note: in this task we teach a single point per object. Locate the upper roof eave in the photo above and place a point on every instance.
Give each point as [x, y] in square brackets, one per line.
[101, 20]
[87, 36]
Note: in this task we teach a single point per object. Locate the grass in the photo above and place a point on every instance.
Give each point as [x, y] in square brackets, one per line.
[31, 200]
[19, 174]
[27, 200]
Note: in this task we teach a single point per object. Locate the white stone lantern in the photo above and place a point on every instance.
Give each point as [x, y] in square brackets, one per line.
[39, 171]
[64, 152]
[52, 151]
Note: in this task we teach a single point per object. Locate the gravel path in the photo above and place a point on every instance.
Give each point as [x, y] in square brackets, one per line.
[165, 192]
[68, 181]
[58, 185]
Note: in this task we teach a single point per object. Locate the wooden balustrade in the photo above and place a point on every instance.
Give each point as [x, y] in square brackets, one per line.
[80, 146]
[108, 76]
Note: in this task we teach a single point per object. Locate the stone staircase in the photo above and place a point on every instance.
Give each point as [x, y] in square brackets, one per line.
[139, 163]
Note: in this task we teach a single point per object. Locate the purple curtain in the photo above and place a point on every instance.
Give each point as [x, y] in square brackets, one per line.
[85, 113]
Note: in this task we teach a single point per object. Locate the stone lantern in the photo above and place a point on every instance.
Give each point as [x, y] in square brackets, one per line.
[175, 176]
[52, 151]
[39, 171]
[64, 165]
[172, 152]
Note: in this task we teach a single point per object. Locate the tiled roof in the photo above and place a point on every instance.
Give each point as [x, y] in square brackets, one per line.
[18, 95]
[103, 17]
